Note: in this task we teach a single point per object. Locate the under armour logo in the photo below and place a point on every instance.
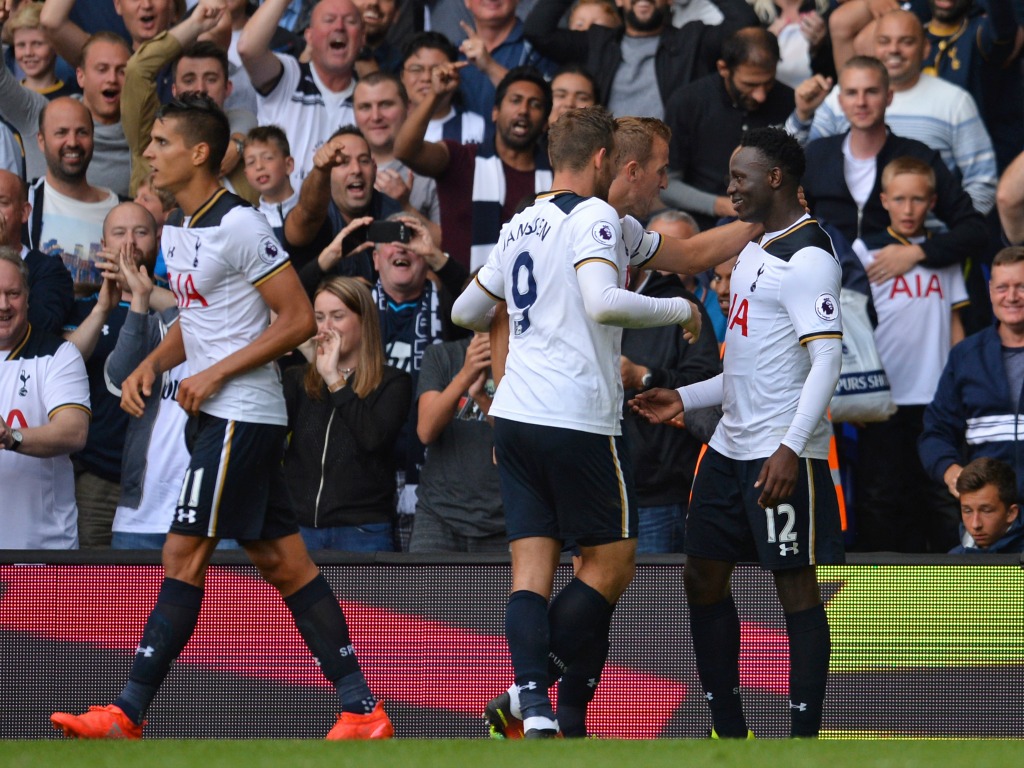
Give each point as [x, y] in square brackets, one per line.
[709, 696]
[147, 652]
[195, 261]
[801, 707]
[753, 285]
[592, 682]
[789, 549]
[530, 686]
[170, 253]
[24, 381]
[186, 515]
[106, 330]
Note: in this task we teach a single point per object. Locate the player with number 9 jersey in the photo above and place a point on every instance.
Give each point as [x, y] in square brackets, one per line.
[562, 367]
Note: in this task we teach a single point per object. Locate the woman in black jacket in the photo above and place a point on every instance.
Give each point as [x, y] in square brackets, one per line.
[345, 410]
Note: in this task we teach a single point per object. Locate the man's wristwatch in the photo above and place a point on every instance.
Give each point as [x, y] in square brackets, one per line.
[16, 438]
[645, 381]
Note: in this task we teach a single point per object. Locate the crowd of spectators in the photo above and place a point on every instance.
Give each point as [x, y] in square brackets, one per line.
[432, 115]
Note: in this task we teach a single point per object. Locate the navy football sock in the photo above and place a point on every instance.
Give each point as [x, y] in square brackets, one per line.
[577, 615]
[715, 630]
[322, 625]
[579, 683]
[810, 646]
[168, 629]
[526, 629]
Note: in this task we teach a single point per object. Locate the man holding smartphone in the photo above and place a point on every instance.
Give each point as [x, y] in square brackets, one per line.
[338, 190]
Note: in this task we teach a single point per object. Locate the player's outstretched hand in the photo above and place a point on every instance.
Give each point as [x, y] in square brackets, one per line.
[691, 327]
[777, 480]
[657, 405]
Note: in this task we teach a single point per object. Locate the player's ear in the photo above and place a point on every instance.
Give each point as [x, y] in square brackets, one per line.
[200, 154]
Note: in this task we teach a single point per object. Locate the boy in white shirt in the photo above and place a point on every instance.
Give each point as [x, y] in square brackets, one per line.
[268, 167]
[899, 507]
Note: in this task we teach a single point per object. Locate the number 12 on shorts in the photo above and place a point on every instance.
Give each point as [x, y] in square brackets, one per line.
[786, 534]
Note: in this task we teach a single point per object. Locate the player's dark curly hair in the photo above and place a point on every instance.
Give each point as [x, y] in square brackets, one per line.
[779, 149]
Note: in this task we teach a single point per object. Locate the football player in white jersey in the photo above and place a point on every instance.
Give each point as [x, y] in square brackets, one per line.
[763, 490]
[228, 273]
[561, 267]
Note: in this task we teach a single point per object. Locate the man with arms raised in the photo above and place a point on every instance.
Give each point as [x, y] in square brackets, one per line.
[308, 101]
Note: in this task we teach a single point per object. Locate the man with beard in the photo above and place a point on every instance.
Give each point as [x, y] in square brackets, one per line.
[101, 76]
[379, 16]
[480, 186]
[646, 49]
[68, 211]
[709, 116]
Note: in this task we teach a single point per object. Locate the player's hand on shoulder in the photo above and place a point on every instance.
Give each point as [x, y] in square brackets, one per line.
[691, 326]
[657, 405]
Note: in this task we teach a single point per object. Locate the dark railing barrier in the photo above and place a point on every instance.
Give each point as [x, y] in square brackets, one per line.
[923, 646]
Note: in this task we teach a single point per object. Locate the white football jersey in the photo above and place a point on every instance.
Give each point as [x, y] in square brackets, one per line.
[563, 367]
[41, 376]
[785, 292]
[215, 261]
[913, 335]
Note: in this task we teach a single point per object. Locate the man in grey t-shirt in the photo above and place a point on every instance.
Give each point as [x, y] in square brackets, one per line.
[459, 503]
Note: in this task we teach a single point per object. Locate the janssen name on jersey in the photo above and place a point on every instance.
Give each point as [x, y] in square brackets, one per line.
[563, 367]
[785, 293]
[215, 262]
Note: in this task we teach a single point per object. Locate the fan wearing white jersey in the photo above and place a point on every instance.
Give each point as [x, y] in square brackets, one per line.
[228, 274]
[763, 490]
[561, 267]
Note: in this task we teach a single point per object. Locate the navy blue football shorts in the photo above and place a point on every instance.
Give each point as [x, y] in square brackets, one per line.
[724, 521]
[564, 484]
[234, 486]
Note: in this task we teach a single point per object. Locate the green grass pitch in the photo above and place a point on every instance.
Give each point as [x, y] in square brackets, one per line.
[441, 753]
